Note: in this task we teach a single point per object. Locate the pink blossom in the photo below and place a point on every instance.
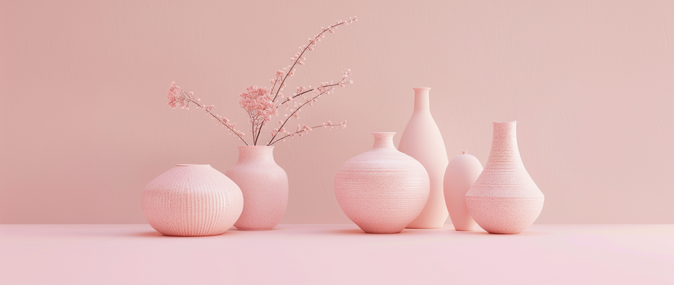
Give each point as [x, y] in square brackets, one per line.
[176, 96]
[258, 103]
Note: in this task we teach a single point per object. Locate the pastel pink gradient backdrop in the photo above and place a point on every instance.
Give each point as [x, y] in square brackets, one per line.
[84, 124]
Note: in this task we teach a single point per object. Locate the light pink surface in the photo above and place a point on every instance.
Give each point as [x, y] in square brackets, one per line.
[462, 171]
[337, 254]
[423, 141]
[504, 199]
[382, 190]
[84, 124]
[192, 200]
[264, 185]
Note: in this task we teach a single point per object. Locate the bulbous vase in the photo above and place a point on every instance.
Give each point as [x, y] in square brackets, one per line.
[264, 185]
[192, 200]
[382, 190]
[422, 141]
[504, 199]
[462, 171]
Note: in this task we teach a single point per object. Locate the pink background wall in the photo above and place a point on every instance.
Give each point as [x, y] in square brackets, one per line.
[84, 124]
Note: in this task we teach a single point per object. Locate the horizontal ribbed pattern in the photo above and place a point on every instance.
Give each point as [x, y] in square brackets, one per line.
[504, 198]
[382, 190]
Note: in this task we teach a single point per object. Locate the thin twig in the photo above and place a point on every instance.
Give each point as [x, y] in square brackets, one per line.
[297, 132]
[214, 116]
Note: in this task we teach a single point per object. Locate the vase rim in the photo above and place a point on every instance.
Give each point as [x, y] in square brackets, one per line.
[422, 88]
[189, 164]
[256, 146]
[505, 122]
[383, 133]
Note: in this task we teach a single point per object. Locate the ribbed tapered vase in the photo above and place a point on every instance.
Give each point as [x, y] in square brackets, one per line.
[504, 199]
[192, 200]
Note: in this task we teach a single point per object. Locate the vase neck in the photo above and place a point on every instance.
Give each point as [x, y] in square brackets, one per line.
[256, 154]
[504, 143]
[383, 139]
[421, 99]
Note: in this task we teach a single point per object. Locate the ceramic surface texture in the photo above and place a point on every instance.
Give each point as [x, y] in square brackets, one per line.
[264, 185]
[422, 141]
[504, 199]
[462, 171]
[192, 200]
[382, 190]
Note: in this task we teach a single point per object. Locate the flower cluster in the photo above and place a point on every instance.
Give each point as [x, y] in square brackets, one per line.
[177, 97]
[261, 103]
[257, 102]
[260, 107]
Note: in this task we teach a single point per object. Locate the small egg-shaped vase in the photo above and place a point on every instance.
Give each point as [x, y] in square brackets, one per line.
[462, 171]
[382, 190]
[192, 200]
[423, 141]
[264, 185]
[504, 199]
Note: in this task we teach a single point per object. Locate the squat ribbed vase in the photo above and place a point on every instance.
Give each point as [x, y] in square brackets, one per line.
[192, 200]
[504, 199]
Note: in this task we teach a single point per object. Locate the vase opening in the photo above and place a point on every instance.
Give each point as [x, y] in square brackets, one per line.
[383, 139]
[252, 153]
[421, 99]
[506, 122]
[504, 130]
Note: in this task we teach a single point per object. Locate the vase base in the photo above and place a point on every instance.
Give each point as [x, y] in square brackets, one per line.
[464, 229]
[191, 235]
[423, 228]
[254, 229]
[382, 233]
[504, 215]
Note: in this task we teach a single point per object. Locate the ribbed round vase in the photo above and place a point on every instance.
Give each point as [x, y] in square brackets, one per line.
[462, 171]
[504, 199]
[423, 141]
[192, 200]
[382, 190]
[264, 185]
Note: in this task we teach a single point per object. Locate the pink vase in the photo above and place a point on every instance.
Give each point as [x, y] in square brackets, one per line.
[462, 171]
[264, 185]
[422, 141]
[382, 190]
[504, 199]
[192, 200]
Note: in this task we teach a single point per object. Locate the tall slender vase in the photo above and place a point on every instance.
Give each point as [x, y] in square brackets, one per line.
[264, 185]
[422, 141]
[191, 200]
[504, 199]
[382, 190]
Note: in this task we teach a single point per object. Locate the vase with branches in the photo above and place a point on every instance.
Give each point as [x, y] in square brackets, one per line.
[265, 184]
